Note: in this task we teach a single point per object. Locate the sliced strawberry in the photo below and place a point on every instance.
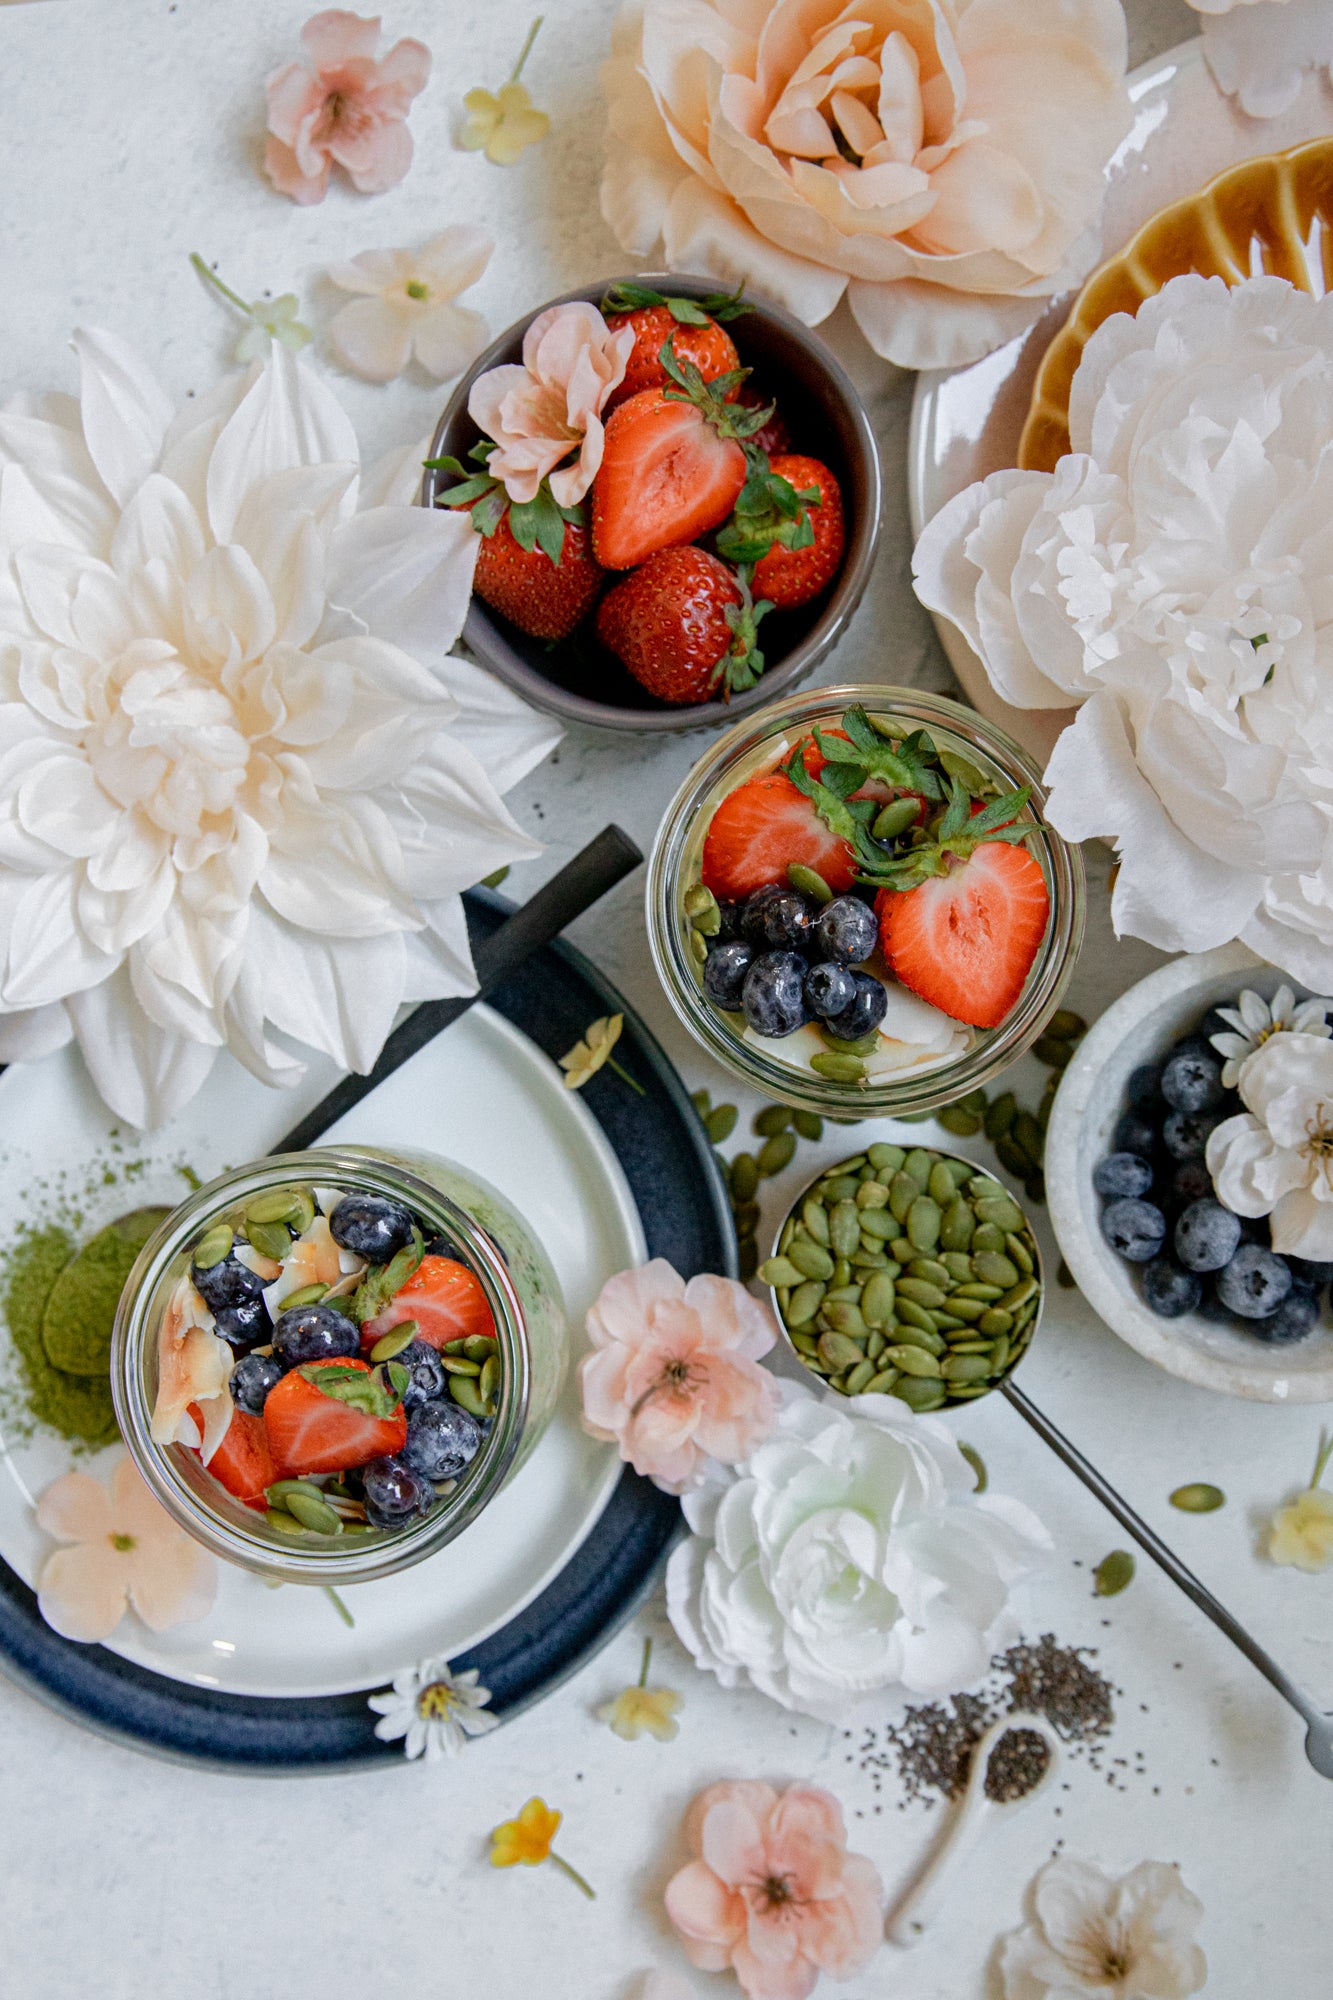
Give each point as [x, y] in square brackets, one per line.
[966, 940]
[712, 351]
[310, 1431]
[760, 829]
[445, 1299]
[667, 476]
[242, 1462]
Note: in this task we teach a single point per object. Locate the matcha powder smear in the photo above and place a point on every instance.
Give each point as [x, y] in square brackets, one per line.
[78, 1407]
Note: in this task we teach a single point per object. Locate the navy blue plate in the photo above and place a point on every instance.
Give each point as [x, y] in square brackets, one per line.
[682, 1202]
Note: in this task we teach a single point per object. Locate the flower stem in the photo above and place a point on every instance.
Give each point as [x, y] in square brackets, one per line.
[205, 271]
[574, 1876]
[1321, 1463]
[647, 1658]
[338, 1605]
[625, 1076]
[517, 72]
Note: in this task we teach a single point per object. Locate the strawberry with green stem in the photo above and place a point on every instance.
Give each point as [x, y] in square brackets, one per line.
[535, 564]
[692, 326]
[685, 626]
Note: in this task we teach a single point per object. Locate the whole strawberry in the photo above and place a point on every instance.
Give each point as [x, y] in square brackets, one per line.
[789, 523]
[684, 625]
[544, 598]
[691, 325]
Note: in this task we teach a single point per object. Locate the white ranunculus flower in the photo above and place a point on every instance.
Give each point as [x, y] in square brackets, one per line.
[241, 784]
[847, 1556]
[1275, 1158]
[1171, 579]
[1259, 51]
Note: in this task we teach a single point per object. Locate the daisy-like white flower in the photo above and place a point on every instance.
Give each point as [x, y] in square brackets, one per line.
[404, 309]
[1253, 1019]
[242, 783]
[433, 1710]
[1125, 1939]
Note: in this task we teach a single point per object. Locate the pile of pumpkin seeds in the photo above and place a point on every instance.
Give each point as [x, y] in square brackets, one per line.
[907, 1273]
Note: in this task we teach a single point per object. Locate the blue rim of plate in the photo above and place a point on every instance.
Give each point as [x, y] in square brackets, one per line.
[678, 1189]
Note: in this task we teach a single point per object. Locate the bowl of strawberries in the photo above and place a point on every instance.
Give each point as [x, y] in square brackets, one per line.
[677, 496]
[856, 903]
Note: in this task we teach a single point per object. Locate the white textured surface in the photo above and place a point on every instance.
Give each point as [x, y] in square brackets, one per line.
[129, 138]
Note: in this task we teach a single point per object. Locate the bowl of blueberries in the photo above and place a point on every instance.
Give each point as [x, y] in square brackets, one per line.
[1180, 1276]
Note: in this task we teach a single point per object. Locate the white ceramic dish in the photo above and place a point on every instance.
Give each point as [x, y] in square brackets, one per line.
[1138, 1029]
[482, 1094]
[967, 423]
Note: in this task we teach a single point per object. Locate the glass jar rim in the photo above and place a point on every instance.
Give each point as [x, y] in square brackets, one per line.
[255, 1547]
[909, 1094]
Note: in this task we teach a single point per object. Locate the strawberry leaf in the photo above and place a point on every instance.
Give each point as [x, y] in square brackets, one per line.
[742, 665]
[690, 312]
[490, 510]
[904, 767]
[539, 523]
[768, 510]
[827, 799]
[360, 1389]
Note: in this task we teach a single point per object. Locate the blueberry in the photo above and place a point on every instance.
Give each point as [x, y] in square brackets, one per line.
[724, 973]
[251, 1379]
[394, 1492]
[243, 1325]
[1145, 1084]
[1191, 1181]
[1135, 1134]
[1134, 1229]
[865, 1013]
[777, 919]
[1170, 1292]
[1212, 1308]
[1185, 1133]
[730, 917]
[313, 1333]
[1293, 1319]
[846, 930]
[441, 1440]
[1213, 1024]
[1314, 1274]
[1192, 1080]
[773, 995]
[1207, 1236]
[227, 1283]
[371, 1226]
[828, 989]
[1121, 1174]
[1254, 1283]
[428, 1378]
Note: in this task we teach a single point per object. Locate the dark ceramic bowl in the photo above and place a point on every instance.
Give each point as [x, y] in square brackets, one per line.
[578, 679]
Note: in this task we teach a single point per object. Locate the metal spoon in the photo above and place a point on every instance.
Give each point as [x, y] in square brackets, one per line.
[916, 1908]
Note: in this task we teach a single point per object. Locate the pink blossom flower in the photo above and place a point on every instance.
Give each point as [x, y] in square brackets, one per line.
[345, 102]
[773, 1892]
[122, 1548]
[550, 406]
[674, 1379]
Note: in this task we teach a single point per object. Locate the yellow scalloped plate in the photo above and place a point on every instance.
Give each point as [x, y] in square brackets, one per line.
[1273, 214]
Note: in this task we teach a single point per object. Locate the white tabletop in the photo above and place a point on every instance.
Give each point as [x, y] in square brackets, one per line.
[129, 137]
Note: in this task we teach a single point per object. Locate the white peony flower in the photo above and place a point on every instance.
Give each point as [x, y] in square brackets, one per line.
[847, 1556]
[1275, 1158]
[1260, 50]
[1125, 1939]
[404, 309]
[241, 786]
[1253, 1020]
[433, 1711]
[1171, 578]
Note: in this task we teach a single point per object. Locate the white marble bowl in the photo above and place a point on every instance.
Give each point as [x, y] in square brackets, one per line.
[1138, 1029]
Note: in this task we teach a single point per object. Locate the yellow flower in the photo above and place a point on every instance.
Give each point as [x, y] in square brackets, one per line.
[528, 1838]
[586, 1057]
[503, 121]
[1301, 1533]
[640, 1707]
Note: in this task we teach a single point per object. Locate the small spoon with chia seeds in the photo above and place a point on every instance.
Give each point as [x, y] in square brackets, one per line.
[1017, 1758]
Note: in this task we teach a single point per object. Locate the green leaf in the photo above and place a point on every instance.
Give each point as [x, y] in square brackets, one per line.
[904, 768]
[490, 511]
[446, 464]
[686, 311]
[360, 1389]
[628, 298]
[470, 489]
[383, 1281]
[1001, 811]
[399, 1377]
[828, 803]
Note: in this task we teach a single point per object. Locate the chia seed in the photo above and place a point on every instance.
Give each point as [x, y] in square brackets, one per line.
[1018, 1762]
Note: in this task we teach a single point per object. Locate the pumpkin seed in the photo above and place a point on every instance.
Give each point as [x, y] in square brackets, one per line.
[468, 1396]
[877, 1301]
[458, 1364]
[282, 1204]
[490, 1379]
[844, 1226]
[913, 1361]
[978, 1465]
[844, 1317]
[837, 1351]
[270, 1239]
[919, 1395]
[923, 1223]
[1000, 1352]
[857, 1380]
[812, 1260]
[1113, 1573]
[1028, 1134]
[842, 1271]
[920, 1292]
[995, 1322]
[931, 1272]
[213, 1246]
[878, 1225]
[815, 1217]
[1020, 1253]
[918, 1164]
[809, 883]
[775, 1154]
[1067, 1025]
[994, 1268]
[394, 1341]
[697, 946]
[806, 1344]
[914, 1336]
[479, 1346]
[957, 1224]
[958, 1264]
[699, 901]
[871, 1260]
[743, 1176]
[987, 1294]
[903, 1191]
[966, 1368]
[1198, 1498]
[309, 1295]
[895, 818]
[1055, 1054]
[963, 1124]
[1000, 1114]
[745, 1215]
[882, 1157]
[908, 1313]
[840, 1187]
[747, 1259]
[839, 1069]
[778, 1271]
[1019, 1294]
[872, 1194]
[809, 1125]
[313, 1512]
[881, 1384]
[1011, 1155]
[805, 1303]
[1005, 1214]
[282, 1522]
[720, 1124]
[774, 1118]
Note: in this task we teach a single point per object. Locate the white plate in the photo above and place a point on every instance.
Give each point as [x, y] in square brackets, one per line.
[966, 423]
[481, 1094]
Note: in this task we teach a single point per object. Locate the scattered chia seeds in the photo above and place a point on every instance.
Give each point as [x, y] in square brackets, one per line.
[1018, 1762]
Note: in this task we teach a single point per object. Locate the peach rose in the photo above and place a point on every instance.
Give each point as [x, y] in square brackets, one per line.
[548, 408]
[773, 1893]
[344, 103]
[941, 161]
[674, 1377]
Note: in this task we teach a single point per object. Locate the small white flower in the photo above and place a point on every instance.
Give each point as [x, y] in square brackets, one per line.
[272, 319]
[405, 307]
[1125, 1939]
[1255, 1019]
[1275, 1158]
[848, 1555]
[434, 1709]
[1260, 51]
